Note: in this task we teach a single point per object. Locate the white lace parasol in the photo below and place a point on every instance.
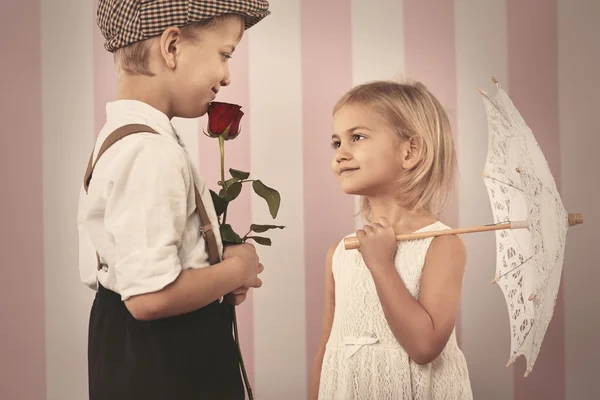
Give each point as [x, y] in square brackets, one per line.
[530, 255]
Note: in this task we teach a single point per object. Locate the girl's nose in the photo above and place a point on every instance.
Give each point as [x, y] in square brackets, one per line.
[342, 154]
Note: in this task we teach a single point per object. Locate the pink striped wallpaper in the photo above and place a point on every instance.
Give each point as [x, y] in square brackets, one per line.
[22, 314]
[287, 73]
[326, 74]
[430, 57]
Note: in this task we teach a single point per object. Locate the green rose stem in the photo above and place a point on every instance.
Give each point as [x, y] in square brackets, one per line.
[235, 324]
[222, 148]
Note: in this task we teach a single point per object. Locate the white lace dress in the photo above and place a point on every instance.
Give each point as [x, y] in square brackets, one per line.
[363, 360]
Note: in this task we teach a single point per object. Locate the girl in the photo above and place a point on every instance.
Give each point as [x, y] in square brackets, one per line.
[390, 308]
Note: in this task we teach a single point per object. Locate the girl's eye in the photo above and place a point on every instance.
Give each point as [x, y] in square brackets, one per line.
[356, 137]
[335, 145]
[225, 56]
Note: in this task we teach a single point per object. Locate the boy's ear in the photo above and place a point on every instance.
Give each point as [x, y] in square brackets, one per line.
[170, 41]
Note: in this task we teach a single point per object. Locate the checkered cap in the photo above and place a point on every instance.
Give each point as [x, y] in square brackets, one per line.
[123, 22]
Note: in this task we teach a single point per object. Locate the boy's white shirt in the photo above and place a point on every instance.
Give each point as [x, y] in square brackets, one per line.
[139, 212]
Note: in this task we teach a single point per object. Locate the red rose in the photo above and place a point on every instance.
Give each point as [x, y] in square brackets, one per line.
[224, 120]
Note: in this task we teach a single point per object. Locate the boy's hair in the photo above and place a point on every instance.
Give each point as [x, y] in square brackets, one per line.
[134, 58]
[414, 113]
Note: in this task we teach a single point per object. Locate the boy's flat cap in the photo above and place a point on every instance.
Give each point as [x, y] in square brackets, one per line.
[124, 22]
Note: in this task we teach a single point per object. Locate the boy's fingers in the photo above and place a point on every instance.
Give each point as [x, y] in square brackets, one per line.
[241, 290]
[238, 299]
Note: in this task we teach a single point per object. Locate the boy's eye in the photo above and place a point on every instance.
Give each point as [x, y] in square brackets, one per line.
[356, 137]
[225, 56]
[335, 145]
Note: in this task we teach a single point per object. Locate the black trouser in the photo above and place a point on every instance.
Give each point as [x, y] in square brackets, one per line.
[192, 356]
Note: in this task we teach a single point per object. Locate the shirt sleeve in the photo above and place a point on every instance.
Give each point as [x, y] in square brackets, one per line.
[146, 213]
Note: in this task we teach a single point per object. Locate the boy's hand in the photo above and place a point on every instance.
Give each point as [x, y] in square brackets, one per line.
[377, 244]
[238, 296]
[251, 266]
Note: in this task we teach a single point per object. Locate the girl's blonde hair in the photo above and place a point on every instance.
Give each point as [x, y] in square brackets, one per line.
[414, 114]
[134, 59]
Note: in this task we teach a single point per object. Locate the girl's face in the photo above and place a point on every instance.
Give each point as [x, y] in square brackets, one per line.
[369, 157]
[202, 67]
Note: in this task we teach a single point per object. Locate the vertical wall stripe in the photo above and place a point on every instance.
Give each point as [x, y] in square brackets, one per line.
[377, 47]
[326, 75]
[68, 135]
[480, 53]
[377, 40]
[532, 41]
[579, 63]
[237, 156]
[430, 57]
[22, 346]
[276, 136]
[105, 78]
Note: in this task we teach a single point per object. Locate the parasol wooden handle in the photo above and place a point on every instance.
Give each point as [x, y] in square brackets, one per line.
[352, 243]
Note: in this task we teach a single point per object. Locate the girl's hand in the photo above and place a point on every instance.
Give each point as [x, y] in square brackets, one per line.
[378, 244]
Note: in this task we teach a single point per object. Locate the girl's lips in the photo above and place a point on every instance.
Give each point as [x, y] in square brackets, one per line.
[346, 171]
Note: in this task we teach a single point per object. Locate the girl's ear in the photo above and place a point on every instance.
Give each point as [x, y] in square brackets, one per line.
[170, 42]
[411, 152]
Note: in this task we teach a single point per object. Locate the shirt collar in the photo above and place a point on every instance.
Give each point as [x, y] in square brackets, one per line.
[122, 112]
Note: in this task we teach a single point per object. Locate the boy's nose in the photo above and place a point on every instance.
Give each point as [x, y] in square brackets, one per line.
[226, 79]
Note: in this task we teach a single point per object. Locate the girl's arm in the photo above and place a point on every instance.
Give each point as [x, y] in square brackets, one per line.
[421, 326]
[326, 326]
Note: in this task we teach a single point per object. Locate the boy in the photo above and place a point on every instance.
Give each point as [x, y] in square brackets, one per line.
[158, 326]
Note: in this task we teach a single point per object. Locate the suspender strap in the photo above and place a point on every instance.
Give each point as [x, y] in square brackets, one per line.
[114, 137]
[126, 130]
[207, 230]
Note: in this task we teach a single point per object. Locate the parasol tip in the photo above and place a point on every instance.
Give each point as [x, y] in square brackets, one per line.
[575, 219]
[527, 373]
[494, 80]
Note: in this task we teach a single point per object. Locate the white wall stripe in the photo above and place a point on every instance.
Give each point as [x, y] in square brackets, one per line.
[68, 135]
[377, 48]
[377, 40]
[276, 158]
[481, 50]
